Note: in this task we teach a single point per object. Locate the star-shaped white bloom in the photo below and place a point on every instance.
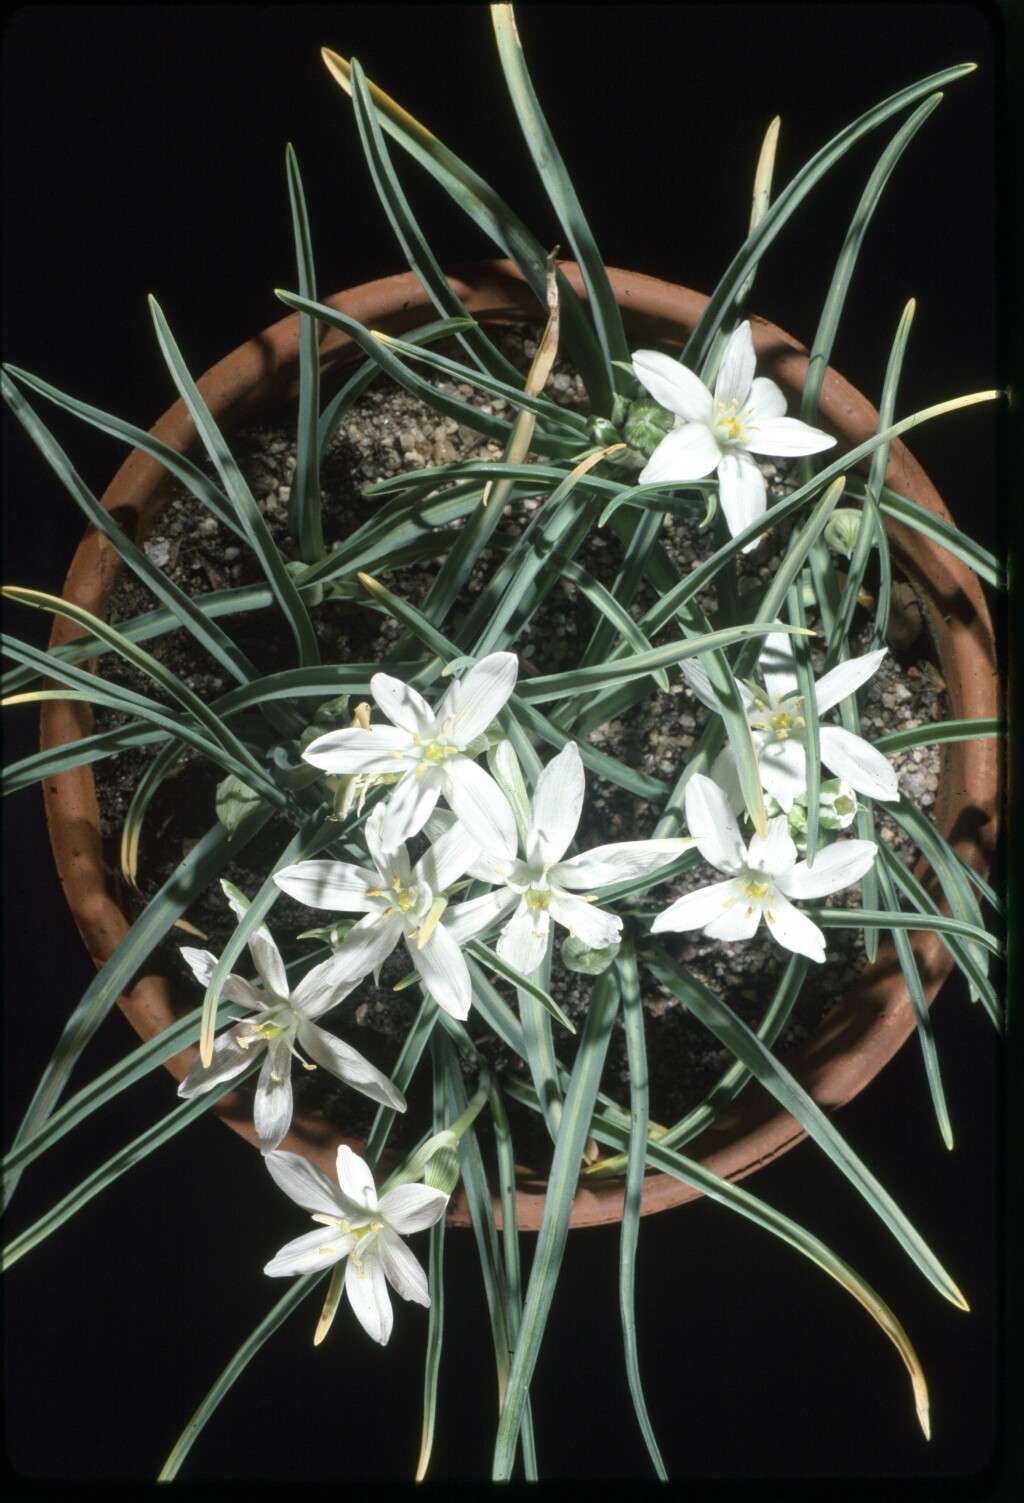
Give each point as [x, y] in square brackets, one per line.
[400, 901]
[281, 1020]
[544, 887]
[762, 877]
[779, 730]
[358, 1225]
[744, 416]
[432, 749]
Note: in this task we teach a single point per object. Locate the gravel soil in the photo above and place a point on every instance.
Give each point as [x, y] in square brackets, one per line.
[390, 433]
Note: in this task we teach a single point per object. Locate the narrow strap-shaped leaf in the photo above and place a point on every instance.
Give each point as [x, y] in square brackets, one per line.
[410, 237]
[941, 733]
[744, 1044]
[791, 197]
[411, 1053]
[959, 544]
[304, 512]
[527, 985]
[296, 1292]
[912, 977]
[554, 1228]
[484, 207]
[217, 732]
[190, 475]
[639, 1106]
[972, 961]
[181, 606]
[474, 1181]
[140, 1062]
[559, 188]
[842, 276]
[735, 1198]
[838, 646]
[114, 1167]
[435, 1287]
[239, 495]
[807, 701]
[191, 876]
[857, 918]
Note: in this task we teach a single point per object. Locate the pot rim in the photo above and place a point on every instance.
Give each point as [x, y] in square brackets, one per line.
[871, 1020]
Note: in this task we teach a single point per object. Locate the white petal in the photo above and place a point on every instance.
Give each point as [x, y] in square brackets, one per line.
[402, 704]
[229, 1059]
[368, 1295]
[234, 989]
[687, 453]
[266, 956]
[403, 1269]
[697, 677]
[476, 699]
[592, 926]
[406, 811]
[355, 1182]
[390, 861]
[321, 989]
[349, 1065]
[710, 819]
[786, 436]
[737, 923]
[783, 768]
[844, 678]
[306, 1254]
[767, 400]
[672, 386]
[307, 1186]
[272, 1109]
[795, 930]
[366, 946]
[482, 807]
[696, 909]
[776, 853]
[723, 772]
[524, 940]
[412, 1208]
[329, 884]
[465, 920]
[861, 764]
[778, 664]
[621, 862]
[741, 494]
[446, 860]
[382, 748]
[556, 808]
[443, 970]
[736, 372]
[835, 867]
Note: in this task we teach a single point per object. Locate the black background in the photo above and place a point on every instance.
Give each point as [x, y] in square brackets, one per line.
[145, 153]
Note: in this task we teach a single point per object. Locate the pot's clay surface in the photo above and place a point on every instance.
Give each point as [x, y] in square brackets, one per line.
[871, 1021]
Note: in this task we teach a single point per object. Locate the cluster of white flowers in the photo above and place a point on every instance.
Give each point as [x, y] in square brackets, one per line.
[433, 753]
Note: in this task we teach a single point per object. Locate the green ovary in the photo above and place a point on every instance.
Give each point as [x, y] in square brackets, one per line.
[538, 899]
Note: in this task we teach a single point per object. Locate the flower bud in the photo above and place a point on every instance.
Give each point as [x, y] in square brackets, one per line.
[442, 1171]
[842, 528]
[646, 425]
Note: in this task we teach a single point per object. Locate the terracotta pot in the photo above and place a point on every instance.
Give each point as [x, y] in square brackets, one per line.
[870, 1022]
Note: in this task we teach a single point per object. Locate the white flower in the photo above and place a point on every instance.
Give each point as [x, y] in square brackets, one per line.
[431, 748]
[544, 887]
[745, 416]
[400, 902]
[762, 877]
[779, 730]
[363, 1228]
[281, 1020]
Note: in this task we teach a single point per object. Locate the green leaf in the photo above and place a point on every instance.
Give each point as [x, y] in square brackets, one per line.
[744, 1044]
[304, 516]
